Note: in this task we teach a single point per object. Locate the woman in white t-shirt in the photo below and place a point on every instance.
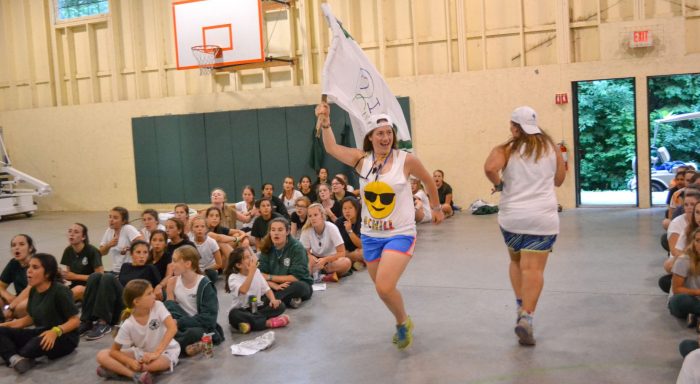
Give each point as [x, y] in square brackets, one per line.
[289, 195]
[247, 207]
[249, 288]
[144, 343]
[209, 252]
[676, 233]
[324, 246]
[420, 202]
[526, 169]
[685, 288]
[118, 238]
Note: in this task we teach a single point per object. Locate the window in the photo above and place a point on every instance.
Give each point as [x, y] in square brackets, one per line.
[73, 9]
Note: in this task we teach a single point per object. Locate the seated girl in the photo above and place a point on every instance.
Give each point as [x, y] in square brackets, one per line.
[685, 288]
[15, 273]
[421, 203]
[208, 249]
[182, 213]
[229, 214]
[247, 208]
[285, 265]
[191, 299]
[260, 226]
[81, 259]
[245, 281]
[349, 226]
[158, 256]
[102, 300]
[324, 246]
[50, 310]
[227, 238]
[151, 222]
[325, 198]
[299, 216]
[339, 192]
[144, 343]
[289, 195]
[118, 237]
[306, 188]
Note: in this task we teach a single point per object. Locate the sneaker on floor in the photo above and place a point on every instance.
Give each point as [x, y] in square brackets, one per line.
[330, 278]
[98, 331]
[106, 373]
[143, 378]
[244, 328]
[404, 334]
[23, 365]
[277, 321]
[194, 348]
[524, 330]
[358, 266]
[692, 320]
[295, 302]
[85, 327]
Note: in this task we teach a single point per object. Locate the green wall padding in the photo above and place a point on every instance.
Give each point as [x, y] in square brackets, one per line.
[181, 158]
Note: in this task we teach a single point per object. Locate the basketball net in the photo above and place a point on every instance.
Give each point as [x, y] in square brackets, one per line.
[206, 56]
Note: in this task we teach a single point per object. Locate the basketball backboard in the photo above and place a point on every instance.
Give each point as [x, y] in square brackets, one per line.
[234, 25]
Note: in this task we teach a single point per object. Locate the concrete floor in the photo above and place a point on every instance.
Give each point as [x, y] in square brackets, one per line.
[601, 317]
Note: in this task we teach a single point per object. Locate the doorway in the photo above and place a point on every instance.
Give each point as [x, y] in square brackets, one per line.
[605, 138]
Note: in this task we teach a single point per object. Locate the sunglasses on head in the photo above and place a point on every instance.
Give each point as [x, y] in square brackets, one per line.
[385, 198]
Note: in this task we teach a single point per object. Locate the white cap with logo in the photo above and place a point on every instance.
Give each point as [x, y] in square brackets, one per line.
[376, 121]
[526, 117]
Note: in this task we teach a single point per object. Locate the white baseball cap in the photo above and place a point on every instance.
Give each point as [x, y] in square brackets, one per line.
[380, 120]
[526, 117]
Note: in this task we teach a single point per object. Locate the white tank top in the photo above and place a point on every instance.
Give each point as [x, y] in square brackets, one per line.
[387, 200]
[528, 202]
[187, 297]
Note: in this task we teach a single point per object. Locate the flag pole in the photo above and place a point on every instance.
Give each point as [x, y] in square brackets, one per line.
[324, 99]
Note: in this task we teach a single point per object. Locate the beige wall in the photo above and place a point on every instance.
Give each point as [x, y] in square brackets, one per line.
[465, 64]
[85, 152]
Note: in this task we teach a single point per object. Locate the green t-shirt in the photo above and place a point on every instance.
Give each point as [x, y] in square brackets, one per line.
[15, 273]
[52, 307]
[83, 263]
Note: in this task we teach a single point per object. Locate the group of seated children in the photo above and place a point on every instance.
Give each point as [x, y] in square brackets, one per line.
[682, 240]
[161, 286]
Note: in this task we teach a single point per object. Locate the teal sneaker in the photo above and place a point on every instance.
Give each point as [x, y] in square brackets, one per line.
[404, 334]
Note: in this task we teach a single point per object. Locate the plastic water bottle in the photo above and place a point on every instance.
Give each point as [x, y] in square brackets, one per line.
[253, 301]
[208, 345]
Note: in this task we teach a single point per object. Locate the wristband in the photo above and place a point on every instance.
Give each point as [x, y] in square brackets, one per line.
[58, 331]
[269, 277]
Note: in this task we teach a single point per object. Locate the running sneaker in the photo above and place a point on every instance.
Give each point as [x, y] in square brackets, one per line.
[692, 320]
[85, 327]
[23, 364]
[98, 331]
[404, 334]
[143, 378]
[524, 330]
[295, 302]
[277, 321]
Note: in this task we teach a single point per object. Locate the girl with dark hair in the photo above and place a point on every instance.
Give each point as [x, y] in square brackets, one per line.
[158, 256]
[307, 188]
[349, 226]
[322, 176]
[81, 259]
[388, 222]
[147, 332]
[339, 192]
[182, 213]
[289, 195]
[226, 238]
[245, 282]
[50, 310]
[191, 299]
[118, 237]
[151, 223]
[15, 273]
[102, 302]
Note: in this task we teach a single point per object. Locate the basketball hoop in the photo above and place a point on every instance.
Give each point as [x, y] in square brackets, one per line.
[206, 56]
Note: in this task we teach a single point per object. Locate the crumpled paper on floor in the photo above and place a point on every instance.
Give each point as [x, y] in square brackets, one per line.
[251, 347]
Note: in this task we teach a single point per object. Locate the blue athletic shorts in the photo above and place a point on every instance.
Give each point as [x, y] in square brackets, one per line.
[372, 247]
[537, 243]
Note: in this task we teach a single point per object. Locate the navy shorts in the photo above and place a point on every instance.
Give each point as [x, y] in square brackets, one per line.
[534, 243]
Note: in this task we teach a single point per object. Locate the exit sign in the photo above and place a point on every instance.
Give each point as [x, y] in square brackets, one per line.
[641, 39]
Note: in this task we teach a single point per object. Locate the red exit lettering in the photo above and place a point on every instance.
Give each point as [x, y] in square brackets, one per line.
[641, 36]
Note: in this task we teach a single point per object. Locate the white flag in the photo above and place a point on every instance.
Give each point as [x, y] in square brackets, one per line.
[351, 81]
